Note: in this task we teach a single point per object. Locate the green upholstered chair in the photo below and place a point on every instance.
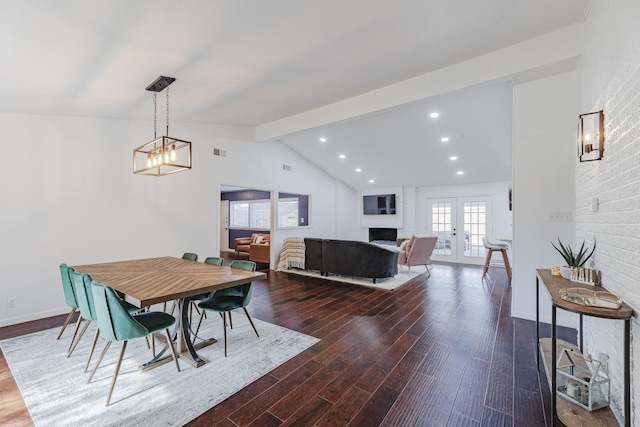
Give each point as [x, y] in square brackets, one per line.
[225, 300]
[69, 297]
[190, 256]
[214, 260]
[117, 324]
[82, 287]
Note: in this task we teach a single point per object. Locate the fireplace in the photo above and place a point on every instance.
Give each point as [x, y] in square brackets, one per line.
[383, 234]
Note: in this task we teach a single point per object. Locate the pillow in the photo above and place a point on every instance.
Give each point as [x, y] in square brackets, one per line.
[259, 239]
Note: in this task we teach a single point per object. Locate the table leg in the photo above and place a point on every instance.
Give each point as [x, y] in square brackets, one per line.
[627, 373]
[185, 349]
[538, 323]
[581, 336]
[187, 352]
[553, 364]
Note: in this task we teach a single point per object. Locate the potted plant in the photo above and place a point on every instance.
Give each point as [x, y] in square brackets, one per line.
[573, 259]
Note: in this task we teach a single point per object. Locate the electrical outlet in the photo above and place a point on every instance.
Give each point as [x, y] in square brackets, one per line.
[11, 302]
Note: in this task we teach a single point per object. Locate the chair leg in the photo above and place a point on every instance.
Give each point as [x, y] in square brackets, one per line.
[75, 333]
[115, 374]
[409, 267]
[93, 347]
[200, 322]
[507, 267]
[428, 271]
[224, 328]
[486, 262]
[250, 321]
[230, 321]
[104, 351]
[78, 338]
[173, 350]
[66, 322]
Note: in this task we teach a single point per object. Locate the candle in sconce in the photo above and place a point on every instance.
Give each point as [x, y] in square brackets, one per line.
[588, 148]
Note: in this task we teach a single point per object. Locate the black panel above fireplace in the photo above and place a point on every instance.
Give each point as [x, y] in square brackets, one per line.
[387, 234]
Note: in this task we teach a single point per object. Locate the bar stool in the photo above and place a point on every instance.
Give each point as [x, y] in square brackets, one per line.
[496, 247]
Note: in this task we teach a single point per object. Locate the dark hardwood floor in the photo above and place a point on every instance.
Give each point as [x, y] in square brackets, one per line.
[439, 351]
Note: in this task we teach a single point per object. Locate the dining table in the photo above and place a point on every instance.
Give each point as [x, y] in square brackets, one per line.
[145, 282]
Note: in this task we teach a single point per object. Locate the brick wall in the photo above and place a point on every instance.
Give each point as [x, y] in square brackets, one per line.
[615, 181]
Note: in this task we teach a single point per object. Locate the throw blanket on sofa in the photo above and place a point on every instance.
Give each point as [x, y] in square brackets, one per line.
[292, 255]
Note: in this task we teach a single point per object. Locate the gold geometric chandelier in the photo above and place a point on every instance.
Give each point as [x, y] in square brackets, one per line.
[164, 155]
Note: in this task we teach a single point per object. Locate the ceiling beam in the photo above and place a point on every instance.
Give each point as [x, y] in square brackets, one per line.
[549, 54]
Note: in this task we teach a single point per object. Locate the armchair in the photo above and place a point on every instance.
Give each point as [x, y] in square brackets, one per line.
[417, 251]
[260, 252]
[243, 244]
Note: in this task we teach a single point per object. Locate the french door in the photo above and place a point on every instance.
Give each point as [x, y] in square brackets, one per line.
[460, 224]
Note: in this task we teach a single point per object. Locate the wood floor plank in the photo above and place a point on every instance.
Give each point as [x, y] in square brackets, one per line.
[376, 408]
[343, 411]
[411, 400]
[441, 350]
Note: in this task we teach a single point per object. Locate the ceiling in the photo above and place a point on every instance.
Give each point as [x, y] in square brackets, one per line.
[406, 145]
[252, 62]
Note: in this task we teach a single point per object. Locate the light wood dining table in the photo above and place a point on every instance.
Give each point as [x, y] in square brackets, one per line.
[145, 282]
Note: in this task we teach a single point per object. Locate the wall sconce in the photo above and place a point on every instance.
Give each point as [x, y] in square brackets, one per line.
[591, 136]
[164, 155]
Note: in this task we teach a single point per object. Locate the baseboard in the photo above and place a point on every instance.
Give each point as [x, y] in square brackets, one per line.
[33, 316]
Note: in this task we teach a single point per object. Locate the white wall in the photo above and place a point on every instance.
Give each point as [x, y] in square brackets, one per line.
[544, 151]
[610, 80]
[348, 220]
[69, 195]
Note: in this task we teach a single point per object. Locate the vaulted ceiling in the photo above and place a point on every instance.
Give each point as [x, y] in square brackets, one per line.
[254, 62]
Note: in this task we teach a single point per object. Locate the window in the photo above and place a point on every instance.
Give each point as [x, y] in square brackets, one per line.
[293, 210]
[287, 212]
[250, 214]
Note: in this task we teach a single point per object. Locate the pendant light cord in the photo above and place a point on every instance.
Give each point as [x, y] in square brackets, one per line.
[155, 114]
[167, 111]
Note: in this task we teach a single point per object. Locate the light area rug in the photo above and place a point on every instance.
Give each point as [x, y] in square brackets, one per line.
[56, 393]
[390, 283]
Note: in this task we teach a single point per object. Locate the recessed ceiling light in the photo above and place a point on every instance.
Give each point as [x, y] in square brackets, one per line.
[444, 139]
[460, 173]
[371, 181]
[323, 139]
[434, 115]
[342, 156]
[358, 170]
[453, 158]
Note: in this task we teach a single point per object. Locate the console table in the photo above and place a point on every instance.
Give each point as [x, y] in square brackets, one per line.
[563, 410]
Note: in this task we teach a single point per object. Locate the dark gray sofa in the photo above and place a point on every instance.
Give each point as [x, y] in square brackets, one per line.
[350, 258]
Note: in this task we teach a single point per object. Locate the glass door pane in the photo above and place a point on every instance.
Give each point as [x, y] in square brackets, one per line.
[443, 224]
[475, 214]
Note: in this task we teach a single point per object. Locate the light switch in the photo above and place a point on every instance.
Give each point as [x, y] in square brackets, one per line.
[593, 204]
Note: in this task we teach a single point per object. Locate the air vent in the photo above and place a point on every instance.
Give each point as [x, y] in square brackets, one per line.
[287, 167]
[219, 152]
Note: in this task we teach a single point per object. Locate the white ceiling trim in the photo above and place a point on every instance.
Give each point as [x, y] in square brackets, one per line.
[560, 47]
